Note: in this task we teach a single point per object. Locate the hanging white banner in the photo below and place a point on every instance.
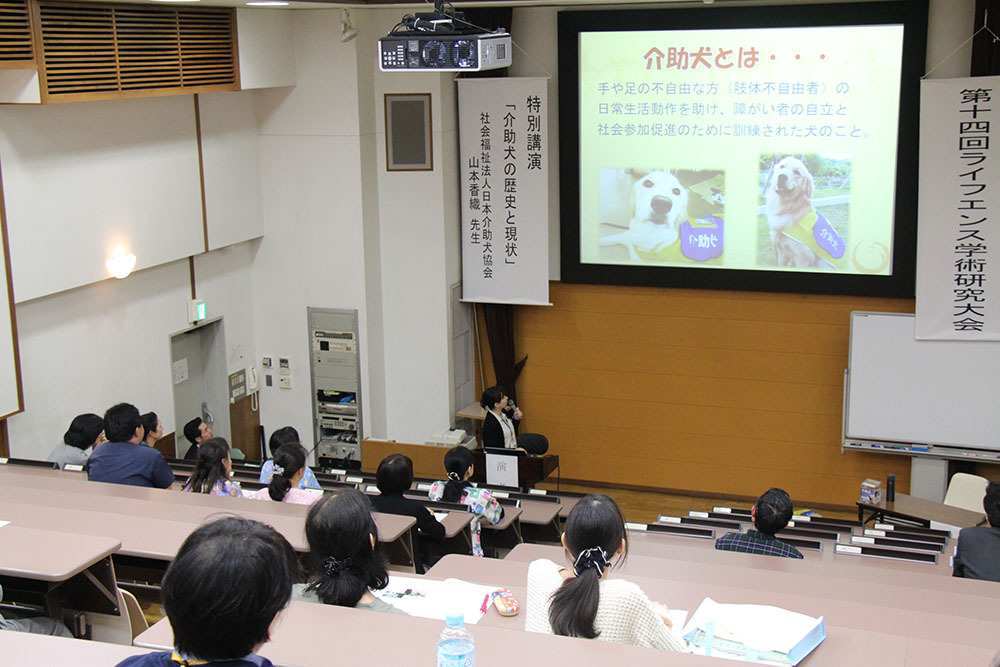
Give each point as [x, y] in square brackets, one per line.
[958, 217]
[503, 148]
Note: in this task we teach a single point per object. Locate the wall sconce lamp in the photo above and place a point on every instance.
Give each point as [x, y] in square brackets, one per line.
[120, 266]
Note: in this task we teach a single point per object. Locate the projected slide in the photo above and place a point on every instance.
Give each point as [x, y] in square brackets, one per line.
[764, 149]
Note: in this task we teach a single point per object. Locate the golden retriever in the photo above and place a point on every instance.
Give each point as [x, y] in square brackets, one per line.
[789, 200]
[659, 205]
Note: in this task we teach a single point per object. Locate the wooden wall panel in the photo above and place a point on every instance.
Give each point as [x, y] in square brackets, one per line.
[706, 391]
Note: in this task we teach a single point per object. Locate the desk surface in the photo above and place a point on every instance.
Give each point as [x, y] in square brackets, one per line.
[945, 596]
[293, 641]
[911, 507]
[45, 651]
[153, 522]
[48, 555]
[825, 562]
[904, 616]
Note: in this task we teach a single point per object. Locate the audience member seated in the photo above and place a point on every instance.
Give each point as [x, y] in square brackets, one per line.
[482, 504]
[583, 602]
[770, 514]
[501, 424]
[223, 593]
[978, 553]
[346, 567]
[85, 433]
[195, 431]
[283, 436]
[289, 467]
[393, 478]
[122, 460]
[39, 625]
[212, 472]
[152, 428]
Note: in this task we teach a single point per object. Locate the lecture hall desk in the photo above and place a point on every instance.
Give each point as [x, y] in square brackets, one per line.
[72, 571]
[413, 642]
[45, 651]
[857, 632]
[826, 561]
[962, 612]
[150, 523]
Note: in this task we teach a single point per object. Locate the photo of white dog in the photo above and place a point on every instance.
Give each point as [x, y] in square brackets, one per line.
[659, 204]
[788, 197]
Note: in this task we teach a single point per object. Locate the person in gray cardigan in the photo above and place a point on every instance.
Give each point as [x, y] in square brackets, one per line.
[978, 553]
[85, 432]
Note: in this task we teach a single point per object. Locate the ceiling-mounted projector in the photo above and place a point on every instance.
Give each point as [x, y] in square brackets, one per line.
[442, 41]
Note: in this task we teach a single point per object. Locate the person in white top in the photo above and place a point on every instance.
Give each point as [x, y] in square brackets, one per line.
[583, 602]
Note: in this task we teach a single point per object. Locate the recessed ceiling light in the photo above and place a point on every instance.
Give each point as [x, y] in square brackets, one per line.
[267, 3]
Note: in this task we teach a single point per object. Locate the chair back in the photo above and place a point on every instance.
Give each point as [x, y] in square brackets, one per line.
[966, 491]
[137, 620]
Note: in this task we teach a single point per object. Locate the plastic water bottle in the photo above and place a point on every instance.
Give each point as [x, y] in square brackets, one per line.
[456, 647]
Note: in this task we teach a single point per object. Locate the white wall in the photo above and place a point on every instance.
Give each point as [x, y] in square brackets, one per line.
[86, 349]
[312, 250]
[82, 179]
[418, 225]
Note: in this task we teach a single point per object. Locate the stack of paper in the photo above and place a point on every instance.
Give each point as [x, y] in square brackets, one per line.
[753, 633]
[430, 598]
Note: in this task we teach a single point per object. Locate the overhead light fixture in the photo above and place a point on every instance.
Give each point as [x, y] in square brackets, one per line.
[120, 266]
[267, 3]
[347, 31]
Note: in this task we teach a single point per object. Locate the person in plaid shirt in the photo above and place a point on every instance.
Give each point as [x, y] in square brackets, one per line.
[770, 514]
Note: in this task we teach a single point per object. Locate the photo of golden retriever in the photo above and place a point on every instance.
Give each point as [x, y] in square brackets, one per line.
[651, 207]
[659, 203]
[801, 237]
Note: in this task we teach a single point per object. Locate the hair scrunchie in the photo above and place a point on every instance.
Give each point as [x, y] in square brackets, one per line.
[278, 470]
[454, 476]
[594, 557]
[333, 566]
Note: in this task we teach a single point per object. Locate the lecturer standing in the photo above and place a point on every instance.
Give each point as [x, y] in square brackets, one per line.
[500, 425]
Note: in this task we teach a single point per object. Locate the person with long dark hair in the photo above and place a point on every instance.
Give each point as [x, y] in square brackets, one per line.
[212, 472]
[346, 565]
[289, 467]
[582, 601]
[482, 504]
[500, 425]
[283, 436]
[85, 432]
[152, 428]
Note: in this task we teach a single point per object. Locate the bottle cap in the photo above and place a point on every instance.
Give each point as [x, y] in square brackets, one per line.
[455, 619]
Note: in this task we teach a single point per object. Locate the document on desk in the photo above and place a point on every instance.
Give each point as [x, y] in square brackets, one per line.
[430, 598]
[753, 633]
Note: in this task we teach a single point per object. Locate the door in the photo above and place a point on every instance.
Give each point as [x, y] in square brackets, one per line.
[200, 381]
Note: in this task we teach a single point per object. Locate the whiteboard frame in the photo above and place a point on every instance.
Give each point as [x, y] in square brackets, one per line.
[927, 449]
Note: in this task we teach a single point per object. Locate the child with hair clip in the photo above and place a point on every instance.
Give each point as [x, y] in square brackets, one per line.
[482, 504]
[346, 566]
[211, 473]
[582, 601]
[289, 467]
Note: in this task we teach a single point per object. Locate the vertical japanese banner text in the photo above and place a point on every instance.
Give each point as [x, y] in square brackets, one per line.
[504, 191]
[959, 210]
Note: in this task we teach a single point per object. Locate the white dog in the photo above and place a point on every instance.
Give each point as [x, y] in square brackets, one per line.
[659, 206]
[789, 200]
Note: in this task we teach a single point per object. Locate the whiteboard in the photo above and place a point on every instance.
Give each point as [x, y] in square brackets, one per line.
[900, 389]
